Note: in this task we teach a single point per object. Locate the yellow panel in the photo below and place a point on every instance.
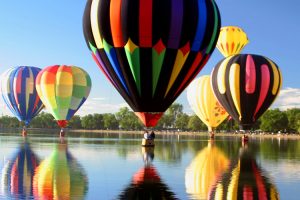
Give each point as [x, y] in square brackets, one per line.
[48, 92]
[221, 76]
[179, 62]
[95, 25]
[79, 78]
[234, 84]
[64, 78]
[276, 82]
[233, 185]
[219, 192]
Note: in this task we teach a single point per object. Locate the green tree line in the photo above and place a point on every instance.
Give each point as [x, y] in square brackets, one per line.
[174, 118]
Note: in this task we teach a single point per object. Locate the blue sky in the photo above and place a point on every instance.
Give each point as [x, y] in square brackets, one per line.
[43, 33]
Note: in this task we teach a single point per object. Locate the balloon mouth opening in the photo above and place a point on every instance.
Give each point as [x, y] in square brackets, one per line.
[62, 123]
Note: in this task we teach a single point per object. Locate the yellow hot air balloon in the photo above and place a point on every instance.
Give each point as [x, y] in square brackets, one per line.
[205, 169]
[203, 102]
[232, 40]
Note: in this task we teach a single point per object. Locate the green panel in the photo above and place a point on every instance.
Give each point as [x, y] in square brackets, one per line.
[134, 63]
[107, 47]
[88, 80]
[63, 102]
[93, 49]
[157, 61]
[215, 31]
[79, 91]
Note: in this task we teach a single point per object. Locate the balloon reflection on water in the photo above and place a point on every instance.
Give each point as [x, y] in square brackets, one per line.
[17, 174]
[204, 170]
[60, 176]
[146, 183]
[244, 180]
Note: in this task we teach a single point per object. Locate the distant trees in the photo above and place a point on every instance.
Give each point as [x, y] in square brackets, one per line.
[273, 120]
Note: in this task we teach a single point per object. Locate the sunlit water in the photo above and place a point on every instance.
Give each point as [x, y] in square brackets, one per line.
[115, 166]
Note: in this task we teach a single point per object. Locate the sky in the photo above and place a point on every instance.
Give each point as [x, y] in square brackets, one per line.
[48, 32]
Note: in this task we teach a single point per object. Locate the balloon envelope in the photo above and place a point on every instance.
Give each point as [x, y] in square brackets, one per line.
[63, 89]
[232, 40]
[17, 174]
[19, 93]
[204, 171]
[246, 85]
[204, 103]
[60, 177]
[244, 180]
[151, 50]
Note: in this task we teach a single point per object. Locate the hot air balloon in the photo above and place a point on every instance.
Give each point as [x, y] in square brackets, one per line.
[150, 50]
[203, 102]
[17, 174]
[19, 93]
[205, 169]
[246, 85]
[60, 176]
[232, 40]
[63, 89]
[244, 180]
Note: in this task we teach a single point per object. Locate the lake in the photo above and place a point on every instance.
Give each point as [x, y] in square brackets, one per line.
[116, 166]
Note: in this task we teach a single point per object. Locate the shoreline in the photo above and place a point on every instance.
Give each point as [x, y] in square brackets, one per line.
[183, 133]
[228, 134]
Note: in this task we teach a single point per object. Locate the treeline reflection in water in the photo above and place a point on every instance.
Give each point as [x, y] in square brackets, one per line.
[223, 168]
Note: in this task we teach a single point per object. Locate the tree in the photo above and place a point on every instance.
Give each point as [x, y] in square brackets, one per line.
[87, 122]
[44, 120]
[274, 120]
[293, 116]
[128, 120]
[182, 121]
[195, 124]
[110, 121]
[75, 122]
[98, 121]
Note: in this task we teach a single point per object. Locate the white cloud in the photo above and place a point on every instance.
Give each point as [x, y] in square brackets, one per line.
[288, 98]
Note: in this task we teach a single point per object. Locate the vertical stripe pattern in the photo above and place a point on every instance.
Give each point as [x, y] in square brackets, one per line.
[19, 93]
[246, 85]
[150, 50]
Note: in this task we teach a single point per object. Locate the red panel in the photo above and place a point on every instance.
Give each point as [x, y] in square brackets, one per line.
[62, 123]
[149, 119]
[145, 23]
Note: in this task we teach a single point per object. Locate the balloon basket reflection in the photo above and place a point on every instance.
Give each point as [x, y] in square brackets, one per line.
[148, 142]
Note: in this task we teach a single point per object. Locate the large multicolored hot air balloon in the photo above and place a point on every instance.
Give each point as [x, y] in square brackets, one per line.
[244, 180]
[63, 89]
[232, 40]
[204, 103]
[209, 164]
[246, 85]
[17, 174]
[60, 177]
[150, 50]
[19, 93]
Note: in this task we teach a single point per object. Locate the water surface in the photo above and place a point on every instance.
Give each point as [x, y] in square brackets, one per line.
[115, 166]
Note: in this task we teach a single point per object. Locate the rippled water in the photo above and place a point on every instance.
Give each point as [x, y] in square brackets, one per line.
[115, 166]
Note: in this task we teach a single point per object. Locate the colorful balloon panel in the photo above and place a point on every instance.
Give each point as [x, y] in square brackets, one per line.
[204, 103]
[205, 169]
[19, 93]
[246, 85]
[59, 177]
[244, 180]
[63, 89]
[232, 40]
[17, 174]
[150, 50]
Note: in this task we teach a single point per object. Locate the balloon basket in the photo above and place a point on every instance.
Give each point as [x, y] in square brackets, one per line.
[147, 142]
[245, 138]
[24, 133]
